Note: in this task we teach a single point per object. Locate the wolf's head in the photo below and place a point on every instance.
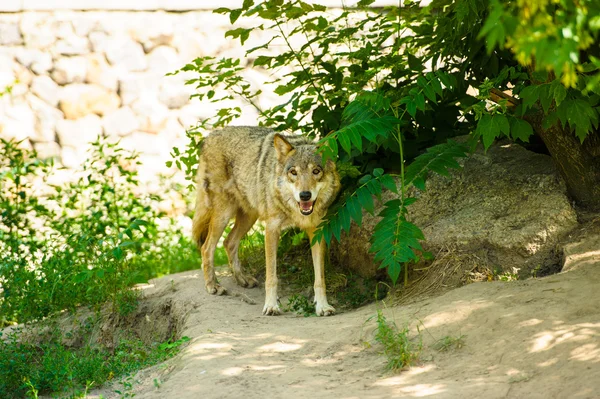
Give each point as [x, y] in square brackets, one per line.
[311, 184]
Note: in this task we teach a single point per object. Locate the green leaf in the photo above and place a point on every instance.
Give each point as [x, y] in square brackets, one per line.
[520, 129]
[388, 182]
[365, 199]
[530, 96]
[344, 141]
[355, 210]
[437, 158]
[558, 92]
[234, 15]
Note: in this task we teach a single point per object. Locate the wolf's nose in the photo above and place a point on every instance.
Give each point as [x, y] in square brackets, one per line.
[305, 195]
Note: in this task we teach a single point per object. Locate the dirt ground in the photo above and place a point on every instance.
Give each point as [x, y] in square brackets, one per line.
[537, 338]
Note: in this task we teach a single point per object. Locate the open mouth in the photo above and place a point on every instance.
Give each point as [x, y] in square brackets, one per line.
[306, 207]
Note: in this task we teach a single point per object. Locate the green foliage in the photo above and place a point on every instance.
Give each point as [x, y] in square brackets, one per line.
[379, 86]
[371, 103]
[398, 348]
[80, 243]
[52, 367]
[301, 305]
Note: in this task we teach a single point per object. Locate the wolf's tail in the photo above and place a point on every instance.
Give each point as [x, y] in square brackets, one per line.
[203, 210]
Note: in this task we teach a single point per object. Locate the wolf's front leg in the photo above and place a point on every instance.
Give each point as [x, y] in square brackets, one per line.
[271, 240]
[323, 308]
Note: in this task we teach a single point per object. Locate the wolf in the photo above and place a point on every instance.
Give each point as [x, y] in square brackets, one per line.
[254, 173]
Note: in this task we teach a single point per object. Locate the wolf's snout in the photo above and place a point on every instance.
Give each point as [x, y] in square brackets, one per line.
[305, 195]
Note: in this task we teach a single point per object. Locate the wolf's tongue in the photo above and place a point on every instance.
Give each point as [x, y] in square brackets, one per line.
[306, 205]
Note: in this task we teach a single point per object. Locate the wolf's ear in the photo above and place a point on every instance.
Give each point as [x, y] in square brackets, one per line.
[282, 146]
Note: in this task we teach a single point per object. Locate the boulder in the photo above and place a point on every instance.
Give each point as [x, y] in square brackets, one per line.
[123, 52]
[78, 133]
[120, 122]
[151, 113]
[17, 121]
[70, 70]
[163, 59]
[37, 60]
[47, 150]
[10, 34]
[507, 207]
[72, 45]
[78, 100]
[46, 89]
[134, 86]
[174, 94]
[99, 72]
[46, 119]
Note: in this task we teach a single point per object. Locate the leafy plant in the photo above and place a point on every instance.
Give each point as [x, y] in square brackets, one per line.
[79, 243]
[398, 348]
[377, 87]
[52, 367]
[343, 92]
[301, 305]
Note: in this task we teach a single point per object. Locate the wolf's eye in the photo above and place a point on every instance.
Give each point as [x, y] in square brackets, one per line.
[316, 171]
[293, 172]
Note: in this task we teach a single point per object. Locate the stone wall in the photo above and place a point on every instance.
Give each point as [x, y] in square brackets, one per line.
[77, 75]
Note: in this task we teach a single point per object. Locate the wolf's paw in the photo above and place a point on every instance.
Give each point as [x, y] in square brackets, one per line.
[325, 309]
[272, 310]
[215, 289]
[244, 280]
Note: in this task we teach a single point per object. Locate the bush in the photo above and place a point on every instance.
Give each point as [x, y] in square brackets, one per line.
[82, 243]
[53, 367]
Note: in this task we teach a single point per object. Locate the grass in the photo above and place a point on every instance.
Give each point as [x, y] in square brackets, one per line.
[399, 350]
[449, 343]
[30, 368]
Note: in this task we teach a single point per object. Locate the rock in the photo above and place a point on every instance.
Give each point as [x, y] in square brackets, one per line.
[84, 23]
[145, 143]
[47, 150]
[134, 86]
[174, 94]
[163, 59]
[47, 118]
[70, 70]
[10, 34]
[196, 44]
[98, 41]
[78, 133]
[73, 45]
[120, 122]
[191, 114]
[38, 30]
[507, 204]
[172, 129]
[78, 100]
[73, 158]
[161, 34]
[46, 89]
[99, 72]
[125, 53]
[583, 250]
[37, 60]
[151, 114]
[18, 122]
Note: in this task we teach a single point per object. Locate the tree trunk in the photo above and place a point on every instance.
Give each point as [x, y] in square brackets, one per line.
[578, 163]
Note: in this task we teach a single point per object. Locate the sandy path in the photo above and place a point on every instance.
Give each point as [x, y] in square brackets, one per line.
[526, 339]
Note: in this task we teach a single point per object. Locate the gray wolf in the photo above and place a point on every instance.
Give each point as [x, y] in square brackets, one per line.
[254, 173]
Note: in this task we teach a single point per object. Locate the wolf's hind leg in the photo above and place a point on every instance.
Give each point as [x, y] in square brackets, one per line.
[243, 223]
[218, 222]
